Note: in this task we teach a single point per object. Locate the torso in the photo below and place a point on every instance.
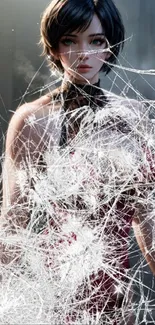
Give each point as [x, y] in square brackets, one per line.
[77, 163]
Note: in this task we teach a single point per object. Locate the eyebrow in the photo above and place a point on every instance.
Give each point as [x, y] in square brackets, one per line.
[91, 35]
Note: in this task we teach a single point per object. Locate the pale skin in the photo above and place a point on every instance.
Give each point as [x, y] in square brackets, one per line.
[76, 49]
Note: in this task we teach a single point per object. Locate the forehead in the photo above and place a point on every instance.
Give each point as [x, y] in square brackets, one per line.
[94, 27]
[95, 24]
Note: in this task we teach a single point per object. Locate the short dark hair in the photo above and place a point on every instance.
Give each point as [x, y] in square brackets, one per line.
[66, 16]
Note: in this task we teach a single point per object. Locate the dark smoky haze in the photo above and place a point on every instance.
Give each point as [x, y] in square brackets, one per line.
[22, 77]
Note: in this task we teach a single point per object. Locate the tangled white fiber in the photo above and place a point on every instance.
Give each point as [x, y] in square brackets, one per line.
[77, 231]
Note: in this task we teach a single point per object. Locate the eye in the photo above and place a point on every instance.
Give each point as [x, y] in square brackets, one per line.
[67, 42]
[98, 41]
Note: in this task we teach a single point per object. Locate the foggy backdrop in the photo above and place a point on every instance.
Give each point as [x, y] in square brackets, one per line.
[20, 60]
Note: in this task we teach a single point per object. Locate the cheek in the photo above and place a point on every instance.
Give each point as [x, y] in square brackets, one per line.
[97, 60]
[68, 60]
[66, 55]
[63, 53]
[101, 57]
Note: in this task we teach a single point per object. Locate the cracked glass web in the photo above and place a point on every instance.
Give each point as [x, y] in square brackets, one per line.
[80, 209]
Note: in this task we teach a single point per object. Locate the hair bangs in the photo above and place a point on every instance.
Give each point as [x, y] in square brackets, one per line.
[75, 16]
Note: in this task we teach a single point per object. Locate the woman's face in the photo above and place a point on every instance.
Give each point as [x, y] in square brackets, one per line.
[82, 53]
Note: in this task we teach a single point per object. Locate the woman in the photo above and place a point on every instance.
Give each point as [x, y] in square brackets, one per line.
[77, 171]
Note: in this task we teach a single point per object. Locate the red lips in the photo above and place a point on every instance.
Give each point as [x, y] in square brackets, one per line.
[84, 66]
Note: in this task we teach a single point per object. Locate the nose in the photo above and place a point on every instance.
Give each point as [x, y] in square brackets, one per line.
[83, 53]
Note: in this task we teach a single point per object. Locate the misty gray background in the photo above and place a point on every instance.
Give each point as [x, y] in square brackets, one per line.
[20, 60]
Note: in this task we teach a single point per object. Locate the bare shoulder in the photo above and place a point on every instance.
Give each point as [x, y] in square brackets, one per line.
[20, 131]
[28, 109]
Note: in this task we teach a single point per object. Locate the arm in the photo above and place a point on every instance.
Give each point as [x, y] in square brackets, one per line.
[143, 230]
[143, 222]
[23, 145]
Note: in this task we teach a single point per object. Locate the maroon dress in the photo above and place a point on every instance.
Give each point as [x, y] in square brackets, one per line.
[104, 291]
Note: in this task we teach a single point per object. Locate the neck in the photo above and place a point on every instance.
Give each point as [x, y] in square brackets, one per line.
[68, 79]
[90, 89]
